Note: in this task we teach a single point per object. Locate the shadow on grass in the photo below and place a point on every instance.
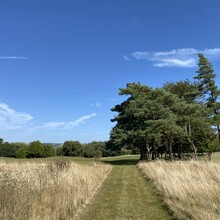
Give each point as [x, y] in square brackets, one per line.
[122, 162]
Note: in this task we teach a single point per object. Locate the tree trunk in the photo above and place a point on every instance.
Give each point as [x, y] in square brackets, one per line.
[218, 128]
[143, 152]
[155, 152]
[149, 153]
[193, 147]
[170, 151]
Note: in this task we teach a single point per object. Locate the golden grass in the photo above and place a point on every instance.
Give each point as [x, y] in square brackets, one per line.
[190, 189]
[47, 190]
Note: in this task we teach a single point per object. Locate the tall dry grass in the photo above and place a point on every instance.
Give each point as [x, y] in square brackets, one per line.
[47, 191]
[190, 189]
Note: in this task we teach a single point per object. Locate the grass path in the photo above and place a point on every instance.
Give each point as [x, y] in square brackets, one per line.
[125, 195]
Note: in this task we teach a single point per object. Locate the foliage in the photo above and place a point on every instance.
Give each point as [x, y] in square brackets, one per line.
[35, 149]
[49, 150]
[72, 148]
[162, 120]
[183, 89]
[8, 150]
[21, 153]
[209, 91]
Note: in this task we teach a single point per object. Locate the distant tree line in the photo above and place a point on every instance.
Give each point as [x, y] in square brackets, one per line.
[89, 150]
[36, 149]
[180, 117]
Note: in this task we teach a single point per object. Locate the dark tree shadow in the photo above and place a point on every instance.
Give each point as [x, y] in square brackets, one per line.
[122, 162]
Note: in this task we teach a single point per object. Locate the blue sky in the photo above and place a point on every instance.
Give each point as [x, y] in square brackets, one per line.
[62, 62]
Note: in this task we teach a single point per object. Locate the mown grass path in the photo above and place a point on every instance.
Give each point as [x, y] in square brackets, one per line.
[126, 195]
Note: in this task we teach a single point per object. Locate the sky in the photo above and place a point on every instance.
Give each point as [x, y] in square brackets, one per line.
[62, 62]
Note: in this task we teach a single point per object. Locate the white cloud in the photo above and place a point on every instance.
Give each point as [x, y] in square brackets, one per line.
[11, 119]
[97, 104]
[53, 125]
[126, 58]
[176, 63]
[13, 58]
[70, 124]
[141, 55]
[185, 57]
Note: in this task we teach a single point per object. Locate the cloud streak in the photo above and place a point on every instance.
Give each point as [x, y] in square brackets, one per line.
[12, 58]
[126, 58]
[185, 57]
[70, 124]
[11, 119]
[97, 104]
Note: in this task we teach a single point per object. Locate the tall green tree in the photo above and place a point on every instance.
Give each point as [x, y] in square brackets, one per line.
[49, 150]
[72, 148]
[185, 90]
[146, 118]
[35, 149]
[209, 90]
[152, 119]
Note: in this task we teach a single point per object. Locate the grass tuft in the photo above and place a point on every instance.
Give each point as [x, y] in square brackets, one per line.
[53, 190]
[190, 189]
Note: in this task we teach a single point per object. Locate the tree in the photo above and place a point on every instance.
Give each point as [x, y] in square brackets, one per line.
[72, 148]
[49, 150]
[21, 153]
[35, 150]
[144, 119]
[127, 130]
[185, 90]
[152, 119]
[209, 90]
[8, 149]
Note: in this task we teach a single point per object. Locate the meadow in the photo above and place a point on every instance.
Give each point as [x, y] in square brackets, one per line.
[74, 188]
[47, 189]
[190, 189]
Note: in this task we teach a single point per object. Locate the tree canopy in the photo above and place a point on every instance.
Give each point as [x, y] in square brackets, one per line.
[170, 119]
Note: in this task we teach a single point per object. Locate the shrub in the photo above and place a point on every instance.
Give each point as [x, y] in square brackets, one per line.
[21, 153]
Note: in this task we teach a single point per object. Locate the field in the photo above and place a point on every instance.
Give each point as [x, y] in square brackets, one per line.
[56, 189]
[190, 189]
[75, 188]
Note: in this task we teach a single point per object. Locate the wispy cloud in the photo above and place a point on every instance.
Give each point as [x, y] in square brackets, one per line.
[70, 124]
[126, 58]
[11, 119]
[176, 63]
[97, 104]
[185, 57]
[13, 58]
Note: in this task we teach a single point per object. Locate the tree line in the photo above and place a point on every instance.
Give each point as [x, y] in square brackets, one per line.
[180, 117]
[36, 149]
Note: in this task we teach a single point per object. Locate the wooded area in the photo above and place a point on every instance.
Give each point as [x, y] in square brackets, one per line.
[180, 117]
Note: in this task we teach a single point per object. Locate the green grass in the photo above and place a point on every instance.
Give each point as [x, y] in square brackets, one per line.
[125, 194]
[216, 157]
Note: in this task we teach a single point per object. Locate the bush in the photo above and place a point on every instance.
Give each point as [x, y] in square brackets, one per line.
[72, 148]
[8, 150]
[49, 150]
[21, 153]
[35, 150]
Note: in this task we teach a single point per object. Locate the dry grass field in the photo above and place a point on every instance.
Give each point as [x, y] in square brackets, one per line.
[190, 189]
[53, 190]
